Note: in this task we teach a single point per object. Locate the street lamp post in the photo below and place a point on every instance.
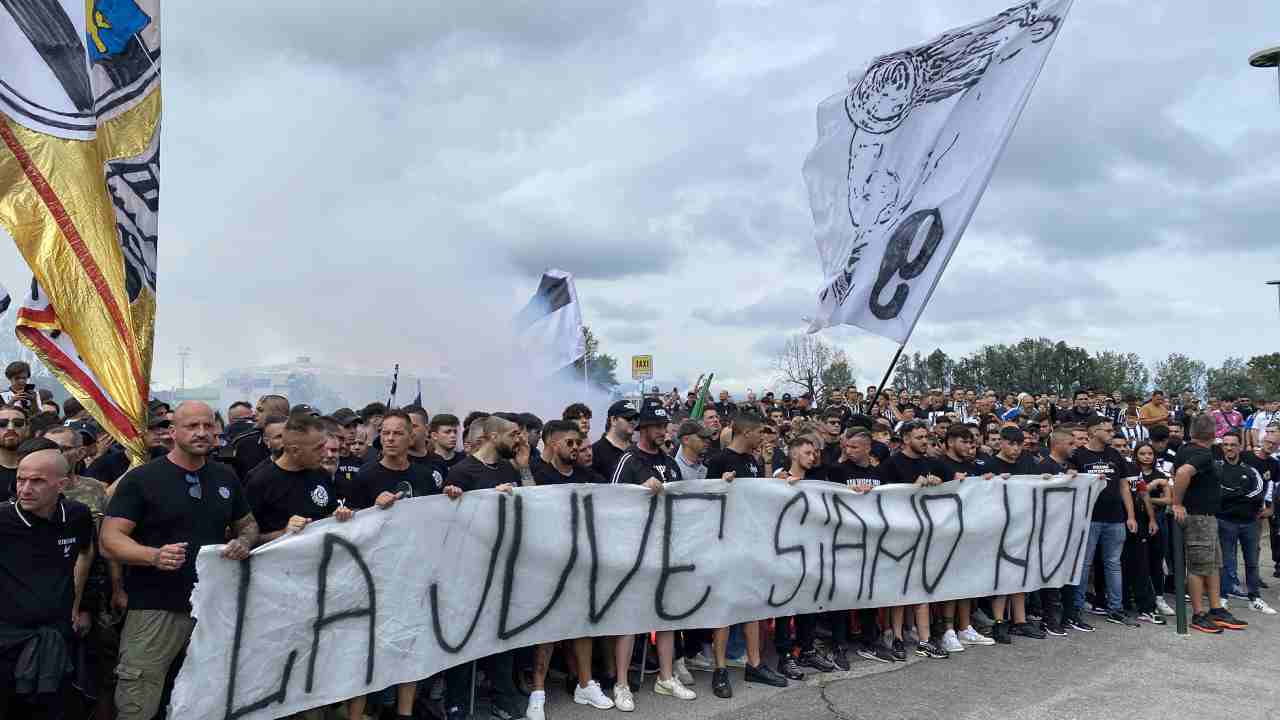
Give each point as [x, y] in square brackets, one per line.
[1269, 58]
[1277, 284]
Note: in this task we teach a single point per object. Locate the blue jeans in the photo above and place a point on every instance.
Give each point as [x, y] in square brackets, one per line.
[1246, 534]
[1110, 536]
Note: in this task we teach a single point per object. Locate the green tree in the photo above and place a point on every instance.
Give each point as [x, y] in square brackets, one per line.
[1179, 372]
[1120, 372]
[1265, 372]
[1231, 380]
[601, 369]
[938, 370]
[838, 374]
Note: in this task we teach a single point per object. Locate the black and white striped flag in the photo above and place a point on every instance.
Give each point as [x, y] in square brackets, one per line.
[550, 325]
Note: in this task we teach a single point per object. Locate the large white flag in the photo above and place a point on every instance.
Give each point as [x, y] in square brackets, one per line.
[550, 325]
[902, 159]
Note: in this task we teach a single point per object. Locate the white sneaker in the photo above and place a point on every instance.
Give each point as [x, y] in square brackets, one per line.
[951, 643]
[592, 695]
[622, 697]
[1224, 604]
[1261, 606]
[700, 662]
[738, 662]
[681, 672]
[675, 689]
[537, 700]
[969, 636]
[1163, 607]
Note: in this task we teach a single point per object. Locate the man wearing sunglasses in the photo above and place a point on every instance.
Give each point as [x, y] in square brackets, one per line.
[159, 516]
[13, 430]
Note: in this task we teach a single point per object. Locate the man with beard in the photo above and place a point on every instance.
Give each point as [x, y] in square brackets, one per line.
[646, 464]
[1113, 513]
[557, 466]
[619, 427]
[249, 449]
[159, 516]
[290, 491]
[13, 430]
[349, 460]
[1244, 492]
[738, 460]
[912, 466]
[329, 461]
[711, 420]
[496, 443]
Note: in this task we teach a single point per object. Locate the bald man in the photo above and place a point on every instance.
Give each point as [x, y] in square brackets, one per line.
[46, 547]
[159, 516]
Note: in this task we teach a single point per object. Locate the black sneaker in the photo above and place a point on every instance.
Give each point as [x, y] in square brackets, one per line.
[720, 683]
[1000, 632]
[1078, 625]
[507, 708]
[457, 712]
[1263, 585]
[930, 648]
[1202, 623]
[1027, 630]
[789, 668]
[764, 675]
[899, 650]
[875, 652]
[814, 661]
[1054, 629]
[607, 683]
[840, 657]
[1119, 618]
[1224, 619]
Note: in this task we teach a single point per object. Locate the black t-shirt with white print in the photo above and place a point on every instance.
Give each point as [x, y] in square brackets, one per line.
[276, 494]
[636, 467]
[1111, 466]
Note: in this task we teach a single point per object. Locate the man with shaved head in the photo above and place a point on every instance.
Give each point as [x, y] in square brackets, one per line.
[288, 492]
[159, 516]
[46, 547]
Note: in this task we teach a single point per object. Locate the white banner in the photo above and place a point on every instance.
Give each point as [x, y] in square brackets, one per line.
[398, 595]
[549, 327]
[903, 157]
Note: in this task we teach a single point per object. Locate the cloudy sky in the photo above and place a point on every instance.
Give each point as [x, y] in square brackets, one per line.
[383, 182]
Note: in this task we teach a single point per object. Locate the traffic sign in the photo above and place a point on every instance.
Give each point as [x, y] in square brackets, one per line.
[641, 367]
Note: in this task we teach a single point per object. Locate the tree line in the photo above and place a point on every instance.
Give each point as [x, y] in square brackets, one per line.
[1036, 365]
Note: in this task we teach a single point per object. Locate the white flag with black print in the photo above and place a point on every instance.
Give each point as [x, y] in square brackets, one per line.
[903, 157]
[5, 300]
[550, 325]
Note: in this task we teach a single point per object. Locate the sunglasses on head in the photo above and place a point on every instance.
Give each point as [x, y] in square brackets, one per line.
[15, 422]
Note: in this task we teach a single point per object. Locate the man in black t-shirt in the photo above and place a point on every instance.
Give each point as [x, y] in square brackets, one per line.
[1008, 461]
[1113, 514]
[46, 548]
[912, 466]
[381, 483]
[14, 429]
[288, 493]
[247, 451]
[738, 460]
[393, 476]
[442, 433]
[1197, 499]
[159, 516]
[620, 425]
[495, 443]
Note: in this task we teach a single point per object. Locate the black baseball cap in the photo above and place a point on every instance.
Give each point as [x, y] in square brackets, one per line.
[623, 409]
[303, 409]
[345, 416]
[653, 414]
[159, 421]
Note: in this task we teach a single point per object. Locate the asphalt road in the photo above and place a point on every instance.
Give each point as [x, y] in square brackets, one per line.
[1116, 672]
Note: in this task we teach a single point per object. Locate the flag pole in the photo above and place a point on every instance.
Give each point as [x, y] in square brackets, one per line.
[395, 378]
[586, 378]
[871, 406]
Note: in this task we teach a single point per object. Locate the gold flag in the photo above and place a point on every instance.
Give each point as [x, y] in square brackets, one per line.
[79, 193]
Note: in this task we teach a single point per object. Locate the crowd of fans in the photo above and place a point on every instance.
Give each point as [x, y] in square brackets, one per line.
[98, 560]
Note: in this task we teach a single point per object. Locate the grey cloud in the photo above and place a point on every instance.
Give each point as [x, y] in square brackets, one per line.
[782, 309]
